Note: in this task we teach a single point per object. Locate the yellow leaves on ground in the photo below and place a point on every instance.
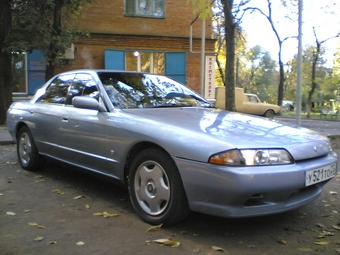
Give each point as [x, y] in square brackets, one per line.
[38, 238]
[34, 224]
[10, 213]
[10, 163]
[106, 214]
[80, 243]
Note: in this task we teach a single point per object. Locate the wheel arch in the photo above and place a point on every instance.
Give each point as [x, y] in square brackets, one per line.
[137, 148]
[18, 127]
[269, 110]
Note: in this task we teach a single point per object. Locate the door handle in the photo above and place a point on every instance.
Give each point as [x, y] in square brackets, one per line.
[64, 119]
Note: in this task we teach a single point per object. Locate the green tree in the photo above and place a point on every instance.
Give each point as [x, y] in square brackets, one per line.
[46, 25]
[5, 60]
[268, 14]
[336, 72]
[258, 74]
[320, 78]
[316, 61]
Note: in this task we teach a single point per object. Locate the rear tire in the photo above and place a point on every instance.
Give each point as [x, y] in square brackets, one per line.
[28, 154]
[155, 188]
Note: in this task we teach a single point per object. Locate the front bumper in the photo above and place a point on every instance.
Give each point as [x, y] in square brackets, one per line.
[249, 191]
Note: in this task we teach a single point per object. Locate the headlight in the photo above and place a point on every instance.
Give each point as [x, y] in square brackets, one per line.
[260, 157]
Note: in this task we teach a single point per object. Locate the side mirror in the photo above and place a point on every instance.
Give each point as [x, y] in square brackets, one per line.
[85, 102]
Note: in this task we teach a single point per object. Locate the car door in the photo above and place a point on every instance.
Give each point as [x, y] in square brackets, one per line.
[46, 112]
[83, 131]
[253, 105]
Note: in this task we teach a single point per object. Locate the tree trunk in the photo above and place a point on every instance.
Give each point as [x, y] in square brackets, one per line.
[230, 50]
[282, 78]
[53, 51]
[314, 84]
[5, 61]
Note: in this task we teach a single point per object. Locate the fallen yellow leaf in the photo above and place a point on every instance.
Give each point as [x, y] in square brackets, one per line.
[39, 226]
[171, 243]
[216, 248]
[58, 191]
[80, 243]
[38, 238]
[282, 241]
[10, 213]
[33, 224]
[322, 243]
[160, 240]
[305, 249]
[106, 214]
[87, 206]
[78, 197]
[154, 228]
[52, 242]
[336, 227]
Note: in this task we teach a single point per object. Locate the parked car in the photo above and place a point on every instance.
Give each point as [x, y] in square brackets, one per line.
[247, 103]
[173, 150]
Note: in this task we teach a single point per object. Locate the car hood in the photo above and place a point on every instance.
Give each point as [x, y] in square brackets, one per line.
[214, 130]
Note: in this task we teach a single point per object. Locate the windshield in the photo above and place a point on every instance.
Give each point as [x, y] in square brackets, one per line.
[137, 90]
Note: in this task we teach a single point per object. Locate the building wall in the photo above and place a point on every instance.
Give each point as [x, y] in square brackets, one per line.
[110, 29]
[107, 16]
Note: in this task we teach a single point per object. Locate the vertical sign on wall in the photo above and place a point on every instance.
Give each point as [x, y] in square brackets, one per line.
[35, 71]
[209, 85]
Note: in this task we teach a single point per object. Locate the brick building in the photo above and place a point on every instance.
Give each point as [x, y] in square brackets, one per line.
[141, 35]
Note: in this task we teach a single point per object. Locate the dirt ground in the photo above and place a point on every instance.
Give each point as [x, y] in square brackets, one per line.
[60, 211]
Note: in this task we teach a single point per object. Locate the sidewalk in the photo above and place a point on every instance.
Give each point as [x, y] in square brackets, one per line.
[326, 127]
[5, 137]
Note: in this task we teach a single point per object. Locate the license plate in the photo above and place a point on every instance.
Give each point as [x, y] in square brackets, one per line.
[320, 174]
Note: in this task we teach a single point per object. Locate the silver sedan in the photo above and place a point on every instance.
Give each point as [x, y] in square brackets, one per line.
[173, 150]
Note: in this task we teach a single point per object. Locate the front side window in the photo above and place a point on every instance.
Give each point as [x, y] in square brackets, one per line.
[82, 85]
[145, 8]
[56, 92]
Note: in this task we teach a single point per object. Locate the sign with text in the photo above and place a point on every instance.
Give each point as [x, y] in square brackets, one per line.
[209, 84]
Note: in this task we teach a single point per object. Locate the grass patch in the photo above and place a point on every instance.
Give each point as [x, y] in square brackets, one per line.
[314, 115]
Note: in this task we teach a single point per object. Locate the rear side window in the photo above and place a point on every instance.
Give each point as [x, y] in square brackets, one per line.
[56, 92]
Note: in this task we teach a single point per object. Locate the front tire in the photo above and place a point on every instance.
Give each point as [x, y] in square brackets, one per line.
[269, 114]
[155, 188]
[28, 154]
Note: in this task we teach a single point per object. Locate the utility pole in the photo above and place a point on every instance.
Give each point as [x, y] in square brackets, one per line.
[299, 69]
